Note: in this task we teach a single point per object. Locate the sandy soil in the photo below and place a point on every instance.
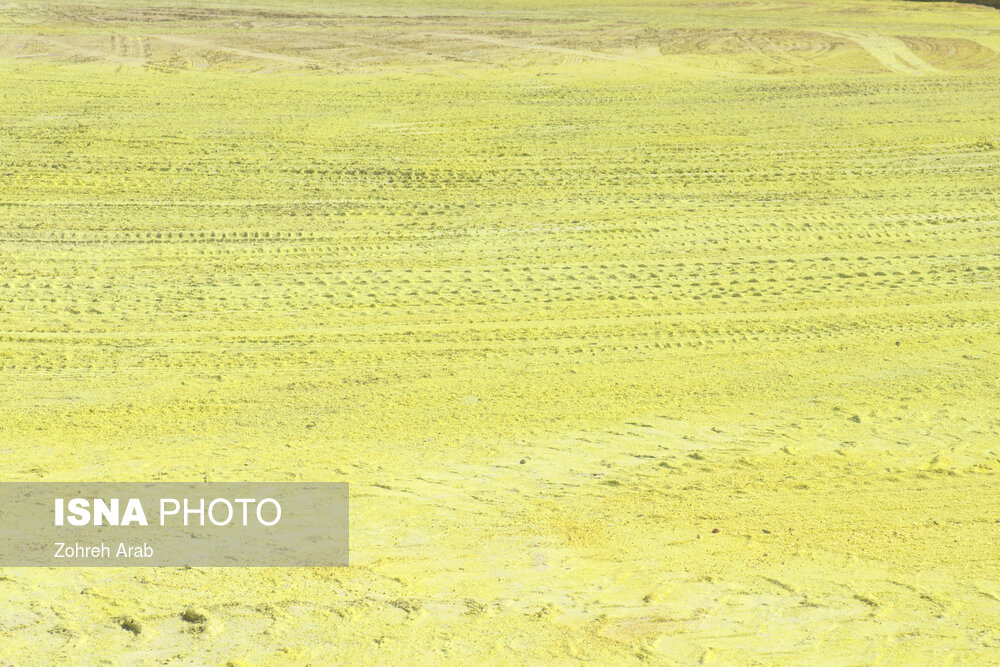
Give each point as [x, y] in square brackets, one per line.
[654, 333]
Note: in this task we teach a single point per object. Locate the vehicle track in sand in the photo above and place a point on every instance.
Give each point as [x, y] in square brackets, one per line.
[892, 52]
[622, 367]
[205, 45]
[657, 65]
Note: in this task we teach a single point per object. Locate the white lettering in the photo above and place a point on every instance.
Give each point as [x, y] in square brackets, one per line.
[277, 511]
[200, 511]
[211, 513]
[163, 508]
[245, 502]
[134, 513]
[79, 511]
[105, 512]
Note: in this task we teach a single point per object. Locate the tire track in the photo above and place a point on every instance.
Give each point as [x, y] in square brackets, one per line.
[580, 53]
[891, 52]
[248, 53]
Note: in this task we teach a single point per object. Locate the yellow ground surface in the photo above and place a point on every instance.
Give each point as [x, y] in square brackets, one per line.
[659, 332]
